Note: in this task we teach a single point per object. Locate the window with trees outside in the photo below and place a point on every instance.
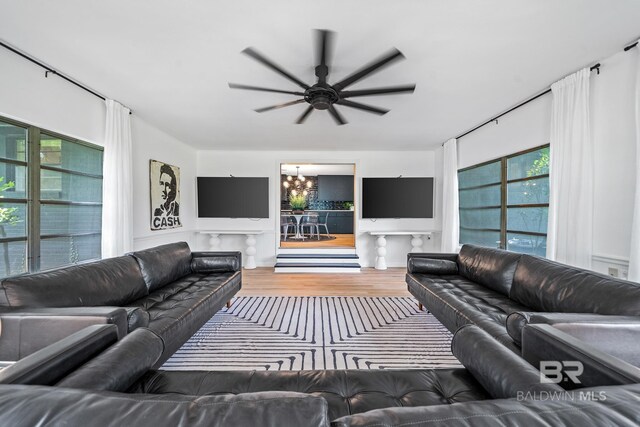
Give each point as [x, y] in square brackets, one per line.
[50, 199]
[504, 203]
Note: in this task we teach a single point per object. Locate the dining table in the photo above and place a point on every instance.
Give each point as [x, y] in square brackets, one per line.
[298, 217]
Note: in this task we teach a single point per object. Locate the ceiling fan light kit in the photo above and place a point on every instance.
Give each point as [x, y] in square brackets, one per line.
[322, 95]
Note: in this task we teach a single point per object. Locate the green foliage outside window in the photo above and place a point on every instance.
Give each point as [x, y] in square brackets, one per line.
[8, 216]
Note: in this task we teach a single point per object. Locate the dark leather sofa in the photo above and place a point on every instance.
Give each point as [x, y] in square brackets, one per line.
[168, 289]
[82, 380]
[502, 291]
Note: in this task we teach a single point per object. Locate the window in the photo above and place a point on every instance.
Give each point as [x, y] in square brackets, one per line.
[50, 199]
[504, 203]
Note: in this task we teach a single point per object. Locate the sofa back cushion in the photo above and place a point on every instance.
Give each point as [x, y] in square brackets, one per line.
[111, 281]
[544, 285]
[164, 264]
[492, 268]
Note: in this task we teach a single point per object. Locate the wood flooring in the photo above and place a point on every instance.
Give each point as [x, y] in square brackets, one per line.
[369, 282]
[340, 241]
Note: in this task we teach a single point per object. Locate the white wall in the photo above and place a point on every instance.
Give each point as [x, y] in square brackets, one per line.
[56, 105]
[267, 163]
[151, 143]
[51, 103]
[523, 128]
[613, 133]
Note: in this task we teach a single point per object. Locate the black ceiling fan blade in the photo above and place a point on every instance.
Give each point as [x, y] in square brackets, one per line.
[324, 49]
[268, 63]
[304, 115]
[364, 107]
[263, 89]
[336, 116]
[379, 91]
[394, 55]
[275, 107]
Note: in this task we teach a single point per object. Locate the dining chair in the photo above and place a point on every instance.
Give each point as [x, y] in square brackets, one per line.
[323, 223]
[311, 221]
[285, 223]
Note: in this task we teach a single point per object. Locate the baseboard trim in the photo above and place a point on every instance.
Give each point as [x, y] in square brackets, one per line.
[610, 259]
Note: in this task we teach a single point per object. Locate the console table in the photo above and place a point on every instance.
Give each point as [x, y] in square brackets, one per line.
[381, 242]
[250, 252]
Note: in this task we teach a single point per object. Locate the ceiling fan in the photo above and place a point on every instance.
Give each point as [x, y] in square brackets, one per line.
[322, 95]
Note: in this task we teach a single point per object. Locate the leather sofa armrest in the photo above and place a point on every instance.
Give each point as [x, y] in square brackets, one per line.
[24, 331]
[516, 321]
[118, 367]
[432, 263]
[48, 365]
[499, 370]
[216, 262]
[137, 317]
[542, 343]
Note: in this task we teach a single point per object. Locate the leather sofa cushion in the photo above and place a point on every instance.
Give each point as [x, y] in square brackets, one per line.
[456, 301]
[545, 285]
[492, 268]
[111, 282]
[172, 302]
[26, 406]
[432, 266]
[346, 391]
[620, 409]
[179, 309]
[164, 264]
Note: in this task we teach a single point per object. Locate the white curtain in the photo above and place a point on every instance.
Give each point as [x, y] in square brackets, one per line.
[634, 256]
[570, 227]
[117, 187]
[450, 211]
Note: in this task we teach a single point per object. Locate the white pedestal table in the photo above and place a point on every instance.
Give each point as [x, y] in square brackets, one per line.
[250, 251]
[381, 243]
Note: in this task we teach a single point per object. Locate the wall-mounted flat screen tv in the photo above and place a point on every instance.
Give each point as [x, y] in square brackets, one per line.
[397, 197]
[231, 197]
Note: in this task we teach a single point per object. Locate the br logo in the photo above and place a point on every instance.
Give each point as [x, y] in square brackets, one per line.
[553, 371]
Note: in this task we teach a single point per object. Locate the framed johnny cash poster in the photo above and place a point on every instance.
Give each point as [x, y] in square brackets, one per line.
[165, 195]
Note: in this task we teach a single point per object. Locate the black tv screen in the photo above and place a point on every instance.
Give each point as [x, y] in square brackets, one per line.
[397, 197]
[230, 197]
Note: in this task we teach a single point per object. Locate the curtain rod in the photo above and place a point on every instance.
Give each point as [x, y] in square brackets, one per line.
[52, 71]
[533, 98]
[596, 67]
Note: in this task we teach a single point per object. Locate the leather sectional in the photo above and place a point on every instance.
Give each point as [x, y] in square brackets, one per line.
[502, 291]
[89, 378]
[168, 289]
[98, 376]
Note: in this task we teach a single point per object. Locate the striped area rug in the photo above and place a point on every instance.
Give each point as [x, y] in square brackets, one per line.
[299, 333]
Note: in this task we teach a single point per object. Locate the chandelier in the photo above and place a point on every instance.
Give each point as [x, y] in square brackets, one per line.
[298, 184]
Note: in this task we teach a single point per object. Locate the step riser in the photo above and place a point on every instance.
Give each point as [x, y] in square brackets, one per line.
[317, 260]
[347, 251]
[315, 270]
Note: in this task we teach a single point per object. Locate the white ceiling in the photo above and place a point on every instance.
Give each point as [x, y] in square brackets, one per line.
[170, 61]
